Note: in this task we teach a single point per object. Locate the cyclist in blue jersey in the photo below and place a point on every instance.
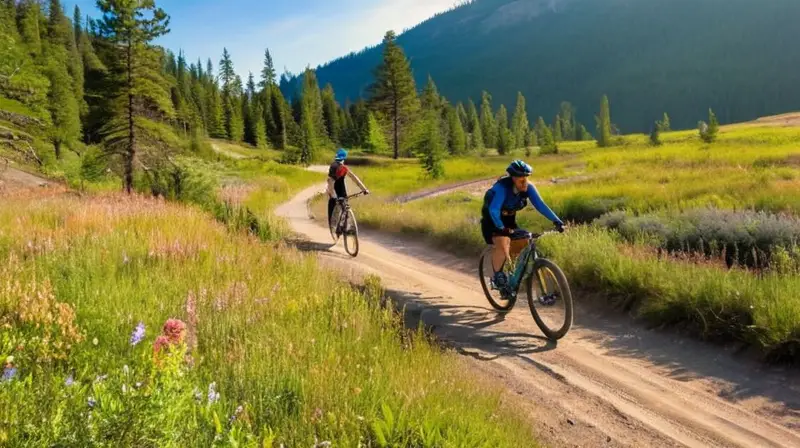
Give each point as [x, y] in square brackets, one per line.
[501, 203]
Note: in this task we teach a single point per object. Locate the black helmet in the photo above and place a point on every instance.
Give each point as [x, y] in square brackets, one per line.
[518, 168]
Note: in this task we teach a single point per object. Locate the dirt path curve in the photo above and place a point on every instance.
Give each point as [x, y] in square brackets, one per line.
[609, 383]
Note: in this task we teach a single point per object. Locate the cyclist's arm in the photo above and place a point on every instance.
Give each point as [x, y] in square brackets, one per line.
[541, 207]
[355, 179]
[496, 206]
[330, 190]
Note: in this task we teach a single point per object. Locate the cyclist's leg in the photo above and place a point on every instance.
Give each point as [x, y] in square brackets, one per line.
[331, 206]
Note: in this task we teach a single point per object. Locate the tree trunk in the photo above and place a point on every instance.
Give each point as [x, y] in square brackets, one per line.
[57, 148]
[131, 153]
[396, 128]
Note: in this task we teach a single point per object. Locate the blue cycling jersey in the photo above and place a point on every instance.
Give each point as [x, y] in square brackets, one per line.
[504, 197]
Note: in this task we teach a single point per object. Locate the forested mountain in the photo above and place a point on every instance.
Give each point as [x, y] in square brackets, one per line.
[649, 56]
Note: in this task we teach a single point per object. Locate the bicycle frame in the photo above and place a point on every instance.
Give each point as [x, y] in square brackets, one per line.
[524, 260]
[344, 202]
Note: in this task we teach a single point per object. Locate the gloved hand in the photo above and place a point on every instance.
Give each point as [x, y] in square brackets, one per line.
[559, 226]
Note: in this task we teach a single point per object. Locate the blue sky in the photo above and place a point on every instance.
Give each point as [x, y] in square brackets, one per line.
[297, 32]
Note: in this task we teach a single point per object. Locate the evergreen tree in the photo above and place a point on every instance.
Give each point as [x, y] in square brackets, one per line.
[472, 117]
[259, 131]
[311, 99]
[558, 135]
[547, 143]
[268, 72]
[308, 138]
[64, 109]
[20, 78]
[504, 137]
[430, 99]
[457, 139]
[330, 114]
[30, 21]
[710, 131]
[664, 125]
[251, 118]
[375, 140]
[461, 113]
[267, 84]
[278, 135]
[520, 124]
[429, 147]
[604, 124]
[569, 126]
[476, 137]
[232, 120]
[394, 95]
[130, 27]
[488, 125]
[655, 135]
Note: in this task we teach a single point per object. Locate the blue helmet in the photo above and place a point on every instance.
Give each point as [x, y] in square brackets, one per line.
[518, 168]
[341, 154]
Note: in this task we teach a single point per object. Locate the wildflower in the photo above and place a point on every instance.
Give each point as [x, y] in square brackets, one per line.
[124, 389]
[235, 414]
[138, 334]
[138, 385]
[198, 396]
[100, 378]
[126, 370]
[9, 359]
[125, 259]
[91, 402]
[95, 341]
[69, 381]
[174, 330]
[8, 374]
[161, 342]
[213, 395]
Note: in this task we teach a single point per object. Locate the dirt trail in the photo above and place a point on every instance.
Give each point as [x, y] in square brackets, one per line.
[609, 383]
[13, 179]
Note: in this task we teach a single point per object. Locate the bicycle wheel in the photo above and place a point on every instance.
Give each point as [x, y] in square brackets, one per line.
[351, 234]
[485, 273]
[550, 299]
[335, 222]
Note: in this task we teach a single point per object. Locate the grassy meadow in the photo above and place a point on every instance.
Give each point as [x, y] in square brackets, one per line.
[132, 321]
[702, 236]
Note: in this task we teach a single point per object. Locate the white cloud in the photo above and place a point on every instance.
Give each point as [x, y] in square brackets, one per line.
[306, 39]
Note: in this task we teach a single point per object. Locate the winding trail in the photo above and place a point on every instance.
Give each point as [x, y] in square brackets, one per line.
[608, 383]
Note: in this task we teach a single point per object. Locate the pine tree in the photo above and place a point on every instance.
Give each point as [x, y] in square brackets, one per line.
[429, 148]
[233, 122]
[457, 139]
[558, 135]
[268, 72]
[655, 135]
[461, 113]
[430, 99]
[20, 78]
[308, 139]
[394, 94]
[547, 143]
[520, 124]
[472, 116]
[30, 20]
[604, 124]
[279, 134]
[130, 27]
[709, 132]
[251, 119]
[64, 109]
[311, 99]
[488, 125]
[569, 126]
[504, 137]
[330, 114]
[375, 140]
[476, 137]
[267, 83]
[664, 125]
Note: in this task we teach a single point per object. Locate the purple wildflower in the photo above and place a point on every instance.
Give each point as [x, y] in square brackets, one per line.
[236, 414]
[69, 381]
[8, 374]
[138, 334]
[213, 395]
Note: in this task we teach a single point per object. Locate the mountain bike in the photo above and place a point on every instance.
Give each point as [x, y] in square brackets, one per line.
[343, 223]
[549, 296]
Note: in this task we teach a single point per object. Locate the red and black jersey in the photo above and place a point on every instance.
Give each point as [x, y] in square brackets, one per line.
[338, 172]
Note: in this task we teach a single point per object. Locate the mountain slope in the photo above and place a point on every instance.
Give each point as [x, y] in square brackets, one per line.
[649, 56]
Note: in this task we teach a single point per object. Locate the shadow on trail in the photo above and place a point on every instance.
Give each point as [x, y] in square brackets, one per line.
[468, 329]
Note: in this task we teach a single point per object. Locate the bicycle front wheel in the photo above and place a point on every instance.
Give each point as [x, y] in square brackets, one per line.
[351, 234]
[550, 299]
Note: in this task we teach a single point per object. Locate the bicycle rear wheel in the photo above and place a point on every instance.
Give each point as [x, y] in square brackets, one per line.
[351, 234]
[550, 299]
[486, 273]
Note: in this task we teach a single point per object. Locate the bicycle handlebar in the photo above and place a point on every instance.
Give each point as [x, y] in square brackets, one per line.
[351, 196]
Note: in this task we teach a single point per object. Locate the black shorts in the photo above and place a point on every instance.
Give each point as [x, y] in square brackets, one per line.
[489, 230]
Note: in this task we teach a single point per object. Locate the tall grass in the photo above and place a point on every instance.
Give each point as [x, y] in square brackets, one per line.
[296, 357]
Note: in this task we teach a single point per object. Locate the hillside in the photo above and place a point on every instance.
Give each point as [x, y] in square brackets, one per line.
[649, 56]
